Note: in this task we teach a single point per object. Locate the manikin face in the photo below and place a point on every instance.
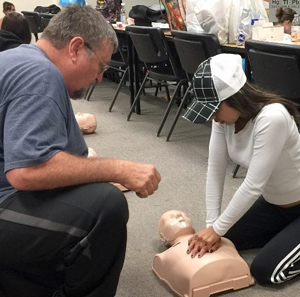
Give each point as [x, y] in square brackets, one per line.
[226, 115]
[174, 224]
[86, 121]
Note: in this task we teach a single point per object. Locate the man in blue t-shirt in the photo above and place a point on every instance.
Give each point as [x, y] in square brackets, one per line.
[59, 215]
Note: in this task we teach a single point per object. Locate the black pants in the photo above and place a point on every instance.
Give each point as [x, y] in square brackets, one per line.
[276, 231]
[70, 241]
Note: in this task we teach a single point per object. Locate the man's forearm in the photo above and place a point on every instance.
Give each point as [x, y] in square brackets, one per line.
[64, 169]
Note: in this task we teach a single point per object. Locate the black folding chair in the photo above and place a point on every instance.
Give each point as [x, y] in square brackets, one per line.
[119, 64]
[35, 22]
[153, 51]
[46, 17]
[275, 67]
[192, 49]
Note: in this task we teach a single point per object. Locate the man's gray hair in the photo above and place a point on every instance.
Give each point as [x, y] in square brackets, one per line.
[83, 21]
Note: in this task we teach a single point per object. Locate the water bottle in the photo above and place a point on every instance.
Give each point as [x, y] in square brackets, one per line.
[295, 27]
[296, 20]
[123, 18]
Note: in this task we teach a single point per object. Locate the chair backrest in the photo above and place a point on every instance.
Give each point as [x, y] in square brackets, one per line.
[152, 47]
[194, 48]
[275, 67]
[34, 20]
[45, 18]
[120, 58]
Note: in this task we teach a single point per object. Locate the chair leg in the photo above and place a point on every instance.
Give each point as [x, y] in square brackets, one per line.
[168, 93]
[169, 108]
[118, 89]
[90, 91]
[156, 89]
[137, 97]
[235, 171]
[179, 111]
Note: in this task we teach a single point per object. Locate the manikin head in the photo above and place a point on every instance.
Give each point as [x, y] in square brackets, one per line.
[87, 122]
[174, 224]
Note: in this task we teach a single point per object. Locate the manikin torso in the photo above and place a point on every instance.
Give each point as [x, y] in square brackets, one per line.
[215, 272]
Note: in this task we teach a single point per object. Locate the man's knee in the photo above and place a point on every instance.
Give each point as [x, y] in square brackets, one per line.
[116, 204]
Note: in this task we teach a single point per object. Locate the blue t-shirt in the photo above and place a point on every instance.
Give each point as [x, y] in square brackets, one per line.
[36, 115]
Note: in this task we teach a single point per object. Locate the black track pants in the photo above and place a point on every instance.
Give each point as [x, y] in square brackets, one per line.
[70, 241]
[276, 231]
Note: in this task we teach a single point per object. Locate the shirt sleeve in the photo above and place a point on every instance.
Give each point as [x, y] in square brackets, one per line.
[271, 130]
[34, 130]
[217, 162]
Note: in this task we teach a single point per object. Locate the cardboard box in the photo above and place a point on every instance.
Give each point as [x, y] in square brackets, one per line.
[268, 33]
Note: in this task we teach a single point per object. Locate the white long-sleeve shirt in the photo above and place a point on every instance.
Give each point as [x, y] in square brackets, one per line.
[269, 147]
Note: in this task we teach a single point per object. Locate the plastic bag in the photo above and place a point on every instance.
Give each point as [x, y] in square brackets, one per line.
[192, 24]
[241, 15]
[244, 30]
[209, 16]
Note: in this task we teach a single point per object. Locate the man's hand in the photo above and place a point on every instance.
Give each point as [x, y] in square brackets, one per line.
[206, 240]
[138, 177]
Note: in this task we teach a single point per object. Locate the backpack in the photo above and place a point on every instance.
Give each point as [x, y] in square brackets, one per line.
[52, 9]
[144, 15]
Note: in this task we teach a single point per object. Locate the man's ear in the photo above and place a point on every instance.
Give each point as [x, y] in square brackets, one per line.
[76, 45]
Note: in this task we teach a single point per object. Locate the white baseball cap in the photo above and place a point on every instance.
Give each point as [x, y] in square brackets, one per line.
[216, 79]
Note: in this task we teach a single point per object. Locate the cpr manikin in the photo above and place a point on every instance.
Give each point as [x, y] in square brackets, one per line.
[222, 270]
[87, 122]
[173, 225]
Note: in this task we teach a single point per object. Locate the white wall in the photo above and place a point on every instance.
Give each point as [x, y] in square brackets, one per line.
[29, 5]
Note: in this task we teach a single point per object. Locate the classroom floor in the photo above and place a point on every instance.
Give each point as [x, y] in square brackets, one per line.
[182, 163]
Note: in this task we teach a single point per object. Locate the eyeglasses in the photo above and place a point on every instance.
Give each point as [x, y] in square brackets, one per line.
[102, 66]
